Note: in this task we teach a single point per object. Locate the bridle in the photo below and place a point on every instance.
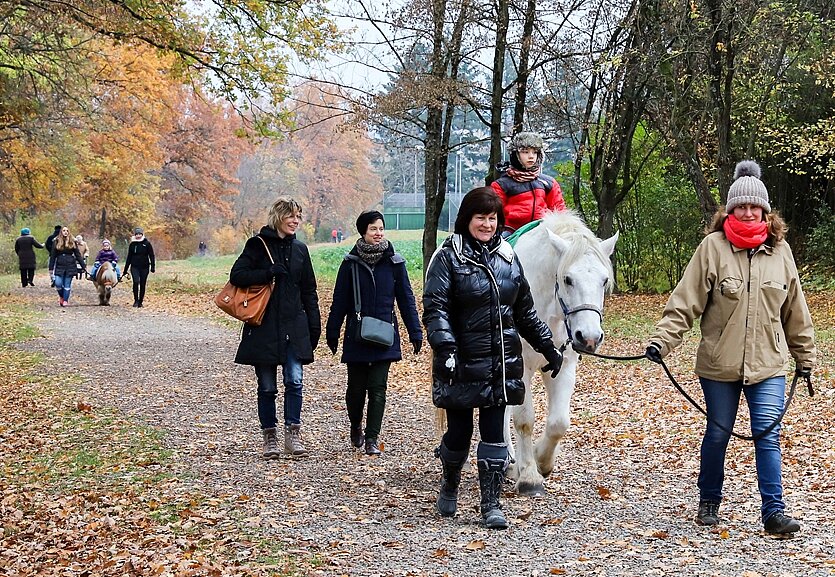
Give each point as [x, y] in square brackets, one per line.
[567, 312]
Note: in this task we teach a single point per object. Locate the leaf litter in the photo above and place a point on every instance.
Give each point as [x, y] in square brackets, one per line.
[620, 501]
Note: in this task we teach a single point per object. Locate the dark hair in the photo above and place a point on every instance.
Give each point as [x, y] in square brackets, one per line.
[482, 200]
[366, 218]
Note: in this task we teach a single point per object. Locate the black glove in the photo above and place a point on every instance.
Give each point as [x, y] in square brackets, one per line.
[653, 353]
[279, 269]
[805, 373]
[417, 345]
[333, 344]
[446, 361]
[554, 358]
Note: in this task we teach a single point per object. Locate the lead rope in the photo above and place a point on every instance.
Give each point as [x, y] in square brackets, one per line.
[684, 393]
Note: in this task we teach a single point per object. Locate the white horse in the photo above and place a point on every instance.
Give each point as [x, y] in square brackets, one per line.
[569, 271]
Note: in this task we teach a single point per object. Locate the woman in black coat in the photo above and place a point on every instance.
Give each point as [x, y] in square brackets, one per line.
[476, 304]
[139, 263]
[25, 246]
[291, 327]
[383, 279]
[66, 256]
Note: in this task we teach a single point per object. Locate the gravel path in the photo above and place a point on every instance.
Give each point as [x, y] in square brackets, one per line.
[620, 501]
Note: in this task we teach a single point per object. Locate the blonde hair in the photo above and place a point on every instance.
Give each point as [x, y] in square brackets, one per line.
[281, 209]
[777, 227]
[60, 244]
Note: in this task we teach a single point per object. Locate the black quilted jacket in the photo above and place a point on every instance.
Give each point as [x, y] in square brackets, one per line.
[477, 302]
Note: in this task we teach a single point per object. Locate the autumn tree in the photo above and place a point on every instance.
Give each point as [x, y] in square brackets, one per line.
[324, 164]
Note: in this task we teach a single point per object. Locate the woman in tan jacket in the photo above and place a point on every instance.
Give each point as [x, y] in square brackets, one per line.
[743, 283]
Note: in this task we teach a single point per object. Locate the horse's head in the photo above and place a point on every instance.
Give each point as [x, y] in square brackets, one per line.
[583, 277]
[106, 276]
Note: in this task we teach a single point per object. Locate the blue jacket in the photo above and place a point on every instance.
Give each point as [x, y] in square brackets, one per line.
[380, 286]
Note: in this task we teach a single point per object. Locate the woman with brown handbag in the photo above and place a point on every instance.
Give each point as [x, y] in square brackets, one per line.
[290, 330]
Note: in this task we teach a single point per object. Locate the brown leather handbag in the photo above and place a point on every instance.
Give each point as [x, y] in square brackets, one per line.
[247, 304]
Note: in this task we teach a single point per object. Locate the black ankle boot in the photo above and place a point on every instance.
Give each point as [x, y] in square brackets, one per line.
[357, 437]
[492, 466]
[780, 524]
[452, 462]
[708, 513]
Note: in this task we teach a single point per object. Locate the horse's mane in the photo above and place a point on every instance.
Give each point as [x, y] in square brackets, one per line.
[568, 225]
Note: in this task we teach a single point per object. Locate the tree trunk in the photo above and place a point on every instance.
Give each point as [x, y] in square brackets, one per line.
[497, 94]
[524, 70]
[103, 223]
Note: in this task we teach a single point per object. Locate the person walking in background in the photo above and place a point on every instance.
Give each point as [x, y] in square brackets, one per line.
[85, 252]
[66, 256]
[333, 236]
[382, 278]
[291, 328]
[339, 235]
[743, 283]
[525, 192]
[202, 248]
[24, 247]
[49, 243]
[141, 261]
[476, 305]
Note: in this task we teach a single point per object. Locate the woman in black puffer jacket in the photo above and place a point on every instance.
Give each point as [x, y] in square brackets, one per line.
[476, 304]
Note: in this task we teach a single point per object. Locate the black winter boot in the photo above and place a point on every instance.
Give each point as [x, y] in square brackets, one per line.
[708, 513]
[452, 462]
[492, 466]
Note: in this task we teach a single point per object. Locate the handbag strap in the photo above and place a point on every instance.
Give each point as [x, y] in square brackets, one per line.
[269, 254]
[356, 281]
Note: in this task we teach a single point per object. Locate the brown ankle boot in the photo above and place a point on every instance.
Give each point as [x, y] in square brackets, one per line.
[293, 441]
[270, 444]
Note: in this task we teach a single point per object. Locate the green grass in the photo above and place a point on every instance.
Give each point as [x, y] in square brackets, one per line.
[197, 274]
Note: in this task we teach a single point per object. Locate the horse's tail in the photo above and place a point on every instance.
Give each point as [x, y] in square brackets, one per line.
[440, 422]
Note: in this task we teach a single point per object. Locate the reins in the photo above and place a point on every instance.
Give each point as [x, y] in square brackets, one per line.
[684, 393]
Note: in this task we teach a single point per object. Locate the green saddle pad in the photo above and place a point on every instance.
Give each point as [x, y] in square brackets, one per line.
[522, 230]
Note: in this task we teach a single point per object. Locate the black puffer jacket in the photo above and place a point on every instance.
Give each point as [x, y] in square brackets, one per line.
[65, 259]
[477, 302]
[293, 312]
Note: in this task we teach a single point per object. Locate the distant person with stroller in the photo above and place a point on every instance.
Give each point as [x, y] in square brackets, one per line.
[85, 252]
[25, 246]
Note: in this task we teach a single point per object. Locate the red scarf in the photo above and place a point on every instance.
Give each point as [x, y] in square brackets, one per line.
[745, 234]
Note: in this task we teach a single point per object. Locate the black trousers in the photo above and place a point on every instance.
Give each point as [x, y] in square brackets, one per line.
[27, 276]
[140, 279]
[459, 431]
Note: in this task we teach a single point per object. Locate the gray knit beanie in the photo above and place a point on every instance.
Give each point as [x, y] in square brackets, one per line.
[747, 188]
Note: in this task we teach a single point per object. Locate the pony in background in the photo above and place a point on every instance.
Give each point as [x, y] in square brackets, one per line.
[569, 272]
[104, 282]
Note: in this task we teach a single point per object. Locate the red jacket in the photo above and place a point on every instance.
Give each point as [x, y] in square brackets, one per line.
[527, 201]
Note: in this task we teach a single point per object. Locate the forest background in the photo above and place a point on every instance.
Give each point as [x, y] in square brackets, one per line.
[189, 118]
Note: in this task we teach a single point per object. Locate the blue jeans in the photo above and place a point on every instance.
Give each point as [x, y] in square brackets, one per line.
[765, 402]
[97, 266]
[63, 284]
[267, 376]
